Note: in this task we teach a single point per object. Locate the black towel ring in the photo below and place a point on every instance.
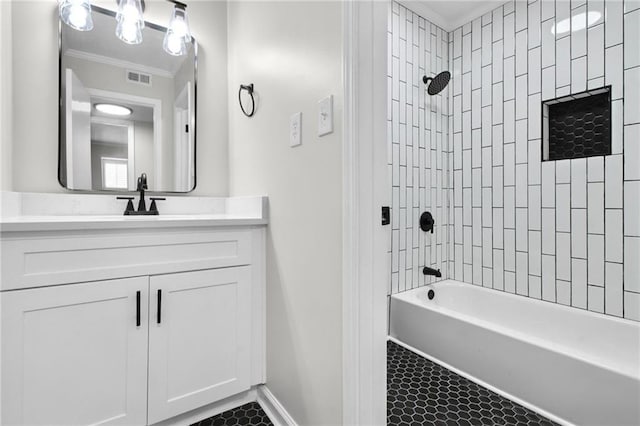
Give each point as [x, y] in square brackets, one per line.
[249, 89]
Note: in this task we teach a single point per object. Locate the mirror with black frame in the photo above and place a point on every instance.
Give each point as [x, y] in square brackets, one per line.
[125, 110]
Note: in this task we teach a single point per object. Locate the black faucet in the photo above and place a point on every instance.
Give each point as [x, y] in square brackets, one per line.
[142, 205]
[430, 271]
[142, 186]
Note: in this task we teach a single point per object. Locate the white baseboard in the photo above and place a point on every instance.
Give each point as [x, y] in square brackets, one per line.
[260, 394]
[273, 408]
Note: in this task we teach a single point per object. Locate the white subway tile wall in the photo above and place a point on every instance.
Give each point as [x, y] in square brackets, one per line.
[566, 231]
[584, 247]
[420, 159]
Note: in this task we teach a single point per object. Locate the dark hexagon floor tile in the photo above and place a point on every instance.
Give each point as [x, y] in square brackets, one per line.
[421, 392]
[248, 414]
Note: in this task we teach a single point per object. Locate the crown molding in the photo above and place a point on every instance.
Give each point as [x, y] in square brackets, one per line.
[425, 10]
[93, 57]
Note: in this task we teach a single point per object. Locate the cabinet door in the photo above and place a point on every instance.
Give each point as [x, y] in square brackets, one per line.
[74, 355]
[199, 339]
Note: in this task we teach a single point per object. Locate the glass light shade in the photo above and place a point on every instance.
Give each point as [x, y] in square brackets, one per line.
[130, 21]
[178, 36]
[130, 10]
[76, 14]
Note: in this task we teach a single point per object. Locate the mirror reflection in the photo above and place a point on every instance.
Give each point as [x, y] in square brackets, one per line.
[125, 110]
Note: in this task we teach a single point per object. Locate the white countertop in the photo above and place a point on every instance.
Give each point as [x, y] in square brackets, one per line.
[25, 212]
[69, 223]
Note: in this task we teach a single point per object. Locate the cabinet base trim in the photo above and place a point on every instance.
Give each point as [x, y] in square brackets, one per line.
[273, 408]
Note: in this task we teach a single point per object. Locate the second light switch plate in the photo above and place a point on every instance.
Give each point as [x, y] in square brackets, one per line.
[295, 129]
[325, 116]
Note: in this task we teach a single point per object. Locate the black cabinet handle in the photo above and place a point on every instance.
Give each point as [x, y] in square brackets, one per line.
[159, 306]
[137, 309]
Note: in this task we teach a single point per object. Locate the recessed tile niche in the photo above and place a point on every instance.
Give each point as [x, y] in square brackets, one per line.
[577, 126]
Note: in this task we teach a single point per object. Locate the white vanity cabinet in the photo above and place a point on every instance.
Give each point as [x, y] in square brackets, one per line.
[199, 339]
[129, 327]
[74, 355]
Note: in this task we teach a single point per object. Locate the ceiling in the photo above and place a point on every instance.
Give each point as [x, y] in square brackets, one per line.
[450, 14]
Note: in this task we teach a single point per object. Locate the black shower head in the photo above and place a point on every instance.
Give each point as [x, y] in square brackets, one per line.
[438, 83]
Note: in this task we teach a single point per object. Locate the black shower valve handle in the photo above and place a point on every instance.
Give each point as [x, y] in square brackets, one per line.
[427, 222]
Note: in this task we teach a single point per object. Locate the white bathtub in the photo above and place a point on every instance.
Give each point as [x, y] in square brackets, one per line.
[573, 366]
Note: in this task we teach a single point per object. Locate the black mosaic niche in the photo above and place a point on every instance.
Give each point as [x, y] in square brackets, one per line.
[577, 126]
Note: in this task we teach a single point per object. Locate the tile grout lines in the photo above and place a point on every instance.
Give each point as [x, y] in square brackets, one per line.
[464, 170]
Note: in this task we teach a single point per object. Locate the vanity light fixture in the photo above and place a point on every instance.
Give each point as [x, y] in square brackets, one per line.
[576, 23]
[76, 14]
[130, 21]
[178, 37]
[113, 109]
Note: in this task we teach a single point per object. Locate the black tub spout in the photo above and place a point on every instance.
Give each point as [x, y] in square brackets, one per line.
[431, 271]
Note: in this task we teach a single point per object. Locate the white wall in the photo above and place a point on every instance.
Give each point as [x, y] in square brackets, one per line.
[6, 113]
[291, 51]
[143, 155]
[35, 93]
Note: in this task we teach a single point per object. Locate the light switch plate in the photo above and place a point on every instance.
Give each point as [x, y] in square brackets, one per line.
[295, 129]
[325, 116]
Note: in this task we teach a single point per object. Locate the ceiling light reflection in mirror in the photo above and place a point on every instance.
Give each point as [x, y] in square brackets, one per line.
[113, 109]
[576, 23]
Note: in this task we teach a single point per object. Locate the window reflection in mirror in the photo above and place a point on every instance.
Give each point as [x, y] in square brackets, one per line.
[124, 110]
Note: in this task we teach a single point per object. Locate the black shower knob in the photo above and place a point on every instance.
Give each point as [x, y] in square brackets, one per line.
[427, 222]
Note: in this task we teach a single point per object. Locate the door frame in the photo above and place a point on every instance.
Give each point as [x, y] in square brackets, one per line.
[70, 91]
[365, 191]
[154, 103]
[131, 151]
[183, 154]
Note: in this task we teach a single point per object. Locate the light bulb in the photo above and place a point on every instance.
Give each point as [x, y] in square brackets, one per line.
[178, 37]
[76, 14]
[129, 31]
[174, 44]
[179, 27]
[129, 12]
[130, 21]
